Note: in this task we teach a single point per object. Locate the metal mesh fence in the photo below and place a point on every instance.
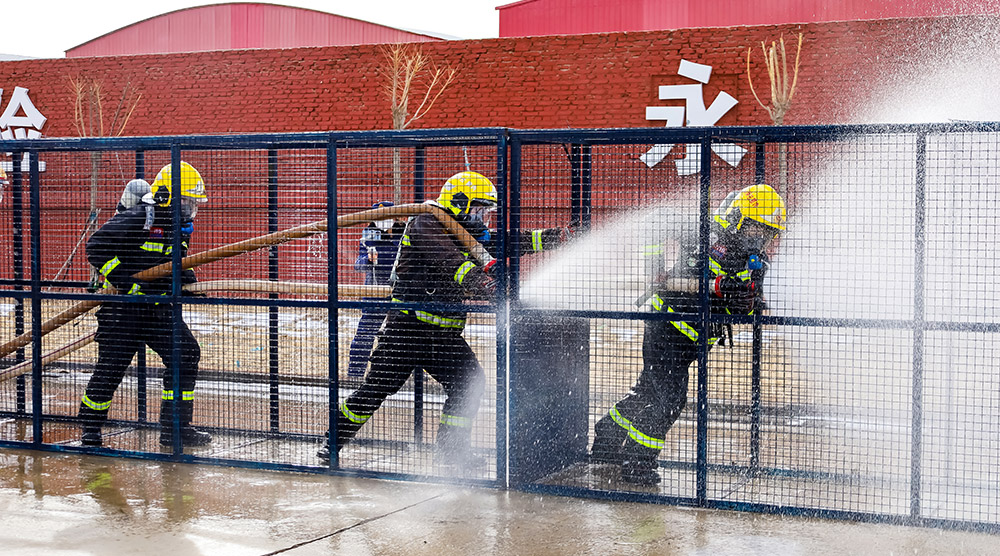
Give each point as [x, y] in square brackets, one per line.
[836, 398]
[861, 384]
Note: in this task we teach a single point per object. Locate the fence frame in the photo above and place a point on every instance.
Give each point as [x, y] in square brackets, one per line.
[509, 145]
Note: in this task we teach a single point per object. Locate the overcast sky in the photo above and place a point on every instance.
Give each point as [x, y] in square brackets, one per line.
[47, 28]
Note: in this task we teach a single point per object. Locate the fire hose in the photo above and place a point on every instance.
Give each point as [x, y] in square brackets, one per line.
[257, 286]
[450, 224]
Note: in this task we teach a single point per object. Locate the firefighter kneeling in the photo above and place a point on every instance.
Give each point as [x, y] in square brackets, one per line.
[634, 430]
[432, 267]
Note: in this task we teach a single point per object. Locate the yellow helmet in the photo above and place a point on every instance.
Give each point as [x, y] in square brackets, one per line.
[191, 185]
[466, 189]
[760, 203]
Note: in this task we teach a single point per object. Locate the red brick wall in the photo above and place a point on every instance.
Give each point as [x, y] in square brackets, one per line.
[599, 80]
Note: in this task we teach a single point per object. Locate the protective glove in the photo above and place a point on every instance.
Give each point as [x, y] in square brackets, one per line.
[569, 233]
[728, 287]
[482, 282]
[136, 287]
[739, 296]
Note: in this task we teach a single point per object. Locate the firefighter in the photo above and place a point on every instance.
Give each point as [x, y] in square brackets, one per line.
[431, 267]
[632, 434]
[138, 238]
[376, 254]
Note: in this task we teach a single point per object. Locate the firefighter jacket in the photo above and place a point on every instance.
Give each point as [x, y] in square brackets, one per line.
[124, 246]
[431, 267]
[744, 269]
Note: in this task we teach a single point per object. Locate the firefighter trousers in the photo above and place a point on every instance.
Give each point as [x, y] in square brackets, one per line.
[405, 344]
[122, 330]
[638, 424]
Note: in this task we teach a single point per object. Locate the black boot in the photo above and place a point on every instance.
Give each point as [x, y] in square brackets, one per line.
[324, 451]
[608, 440]
[92, 420]
[346, 430]
[454, 448]
[190, 436]
[639, 465]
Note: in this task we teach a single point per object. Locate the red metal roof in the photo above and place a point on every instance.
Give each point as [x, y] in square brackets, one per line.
[571, 17]
[240, 25]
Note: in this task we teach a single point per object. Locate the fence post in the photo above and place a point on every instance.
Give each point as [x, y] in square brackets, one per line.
[177, 309]
[333, 317]
[17, 199]
[919, 251]
[760, 176]
[419, 171]
[141, 372]
[36, 298]
[503, 312]
[509, 220]
[272, 275]
[701, 466]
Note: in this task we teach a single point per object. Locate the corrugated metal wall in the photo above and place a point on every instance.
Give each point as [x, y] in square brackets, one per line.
[564, 17]
[570, 17]
[241, 25]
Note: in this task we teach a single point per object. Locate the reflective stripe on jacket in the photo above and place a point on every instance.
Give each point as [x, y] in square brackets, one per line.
[124, 246]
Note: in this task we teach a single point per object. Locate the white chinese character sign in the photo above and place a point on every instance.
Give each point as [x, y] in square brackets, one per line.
[20, 120]
[693, 113]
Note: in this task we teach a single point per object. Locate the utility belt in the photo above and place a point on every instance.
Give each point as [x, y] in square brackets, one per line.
[441, 321]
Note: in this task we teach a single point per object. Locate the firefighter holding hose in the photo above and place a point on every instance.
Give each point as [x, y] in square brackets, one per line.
[141, 236]
[633, 432]
[432, 267]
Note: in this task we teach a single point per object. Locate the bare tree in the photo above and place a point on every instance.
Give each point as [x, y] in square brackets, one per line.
[89, 120]
[782, 91]
[409, 73]
[88, 108]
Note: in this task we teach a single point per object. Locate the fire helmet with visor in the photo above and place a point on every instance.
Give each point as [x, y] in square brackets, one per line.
[465, 190]
[471, 197]
[192, 189]
[752, 217]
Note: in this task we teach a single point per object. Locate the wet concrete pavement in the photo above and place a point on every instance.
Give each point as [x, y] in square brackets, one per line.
[67, 504]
